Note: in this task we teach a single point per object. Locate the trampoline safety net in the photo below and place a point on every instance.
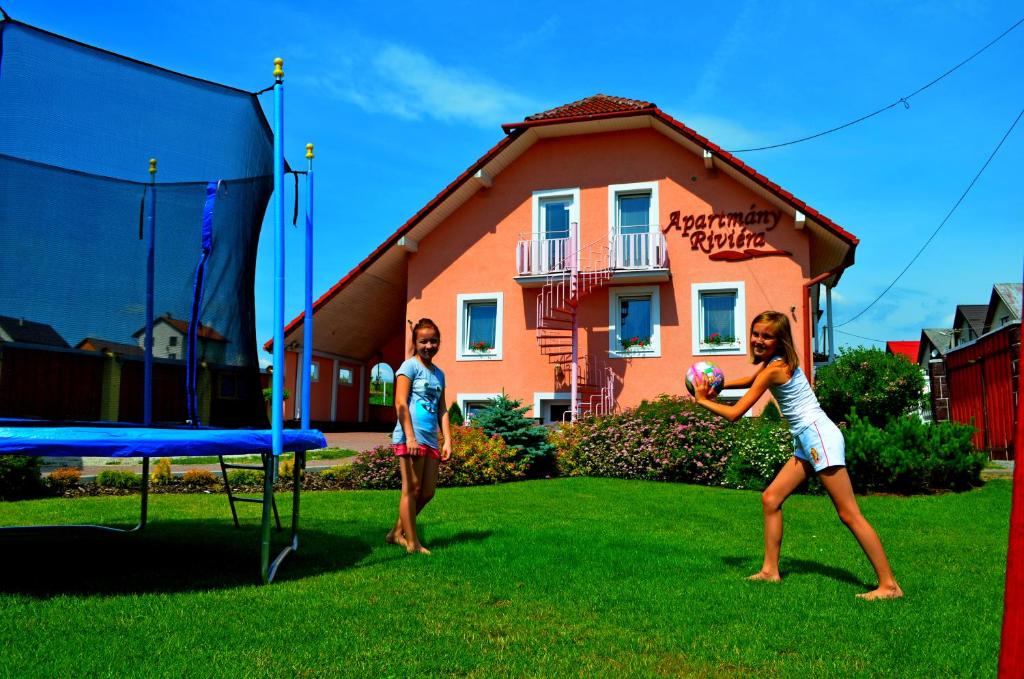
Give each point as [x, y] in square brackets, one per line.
[78, 126]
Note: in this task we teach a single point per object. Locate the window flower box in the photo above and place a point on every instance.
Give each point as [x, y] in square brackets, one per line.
[481, 347]
[635, 343]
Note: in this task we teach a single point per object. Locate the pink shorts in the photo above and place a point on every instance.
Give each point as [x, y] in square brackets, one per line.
[401, 450]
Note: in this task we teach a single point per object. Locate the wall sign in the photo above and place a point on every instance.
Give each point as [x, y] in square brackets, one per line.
[728, 236]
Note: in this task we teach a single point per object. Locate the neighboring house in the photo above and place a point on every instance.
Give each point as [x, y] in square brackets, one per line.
[30, 332]
[579, 266]
[1004, 306]
[170, 340]
[106, 346]
[983, 374]
[968, 323]
[931, 352]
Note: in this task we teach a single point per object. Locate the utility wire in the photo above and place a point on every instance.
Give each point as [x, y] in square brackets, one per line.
[870, 339]
[948, 215]
[901, 100]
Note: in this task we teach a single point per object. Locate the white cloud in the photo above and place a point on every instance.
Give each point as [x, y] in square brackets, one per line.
[727, 133]
[381, 77]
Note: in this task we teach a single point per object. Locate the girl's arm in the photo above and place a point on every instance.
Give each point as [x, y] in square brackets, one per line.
[403, 385]
[762, 380]
[746, 381]
[446, 429]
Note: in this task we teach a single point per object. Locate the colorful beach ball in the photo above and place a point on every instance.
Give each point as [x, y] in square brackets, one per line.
[713, 375]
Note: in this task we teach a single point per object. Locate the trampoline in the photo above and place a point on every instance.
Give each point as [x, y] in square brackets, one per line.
[127, 324]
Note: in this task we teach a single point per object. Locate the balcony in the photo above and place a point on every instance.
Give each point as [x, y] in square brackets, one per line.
[629, 257]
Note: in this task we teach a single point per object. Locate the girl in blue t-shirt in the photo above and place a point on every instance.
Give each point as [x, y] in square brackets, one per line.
[421, 408]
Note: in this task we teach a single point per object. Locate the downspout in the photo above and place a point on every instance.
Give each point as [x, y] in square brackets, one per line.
[808, 356]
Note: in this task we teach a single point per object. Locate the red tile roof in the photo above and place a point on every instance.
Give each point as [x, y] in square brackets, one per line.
[599, 104]
[906, 348]
[205, 331]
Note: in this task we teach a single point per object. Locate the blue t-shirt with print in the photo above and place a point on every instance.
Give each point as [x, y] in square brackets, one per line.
[424, 401]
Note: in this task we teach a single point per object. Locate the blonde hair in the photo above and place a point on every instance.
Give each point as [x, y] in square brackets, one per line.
[779, 324]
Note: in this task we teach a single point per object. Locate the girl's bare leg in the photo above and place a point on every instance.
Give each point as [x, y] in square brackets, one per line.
[789, 478]
[411, 468]
[428, 486]
[837, 482]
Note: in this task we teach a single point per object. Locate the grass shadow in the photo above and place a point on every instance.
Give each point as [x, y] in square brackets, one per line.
[791, 567]
[166, 557]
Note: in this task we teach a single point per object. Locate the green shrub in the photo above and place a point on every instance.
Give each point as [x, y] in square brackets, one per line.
[19, 477]
[199, 477]
[479, 459]
[771, 413]
[342, 476]
[62, 479]
[569, 457]
[760, 446]
[118, 478]
[162, 471]
[881, 386]
[506, 417]
[245, 477]
[455, 417]
[909, 456]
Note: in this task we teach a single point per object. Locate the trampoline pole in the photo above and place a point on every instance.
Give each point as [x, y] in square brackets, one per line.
[307, 321]
[147, 396]
[277, 416]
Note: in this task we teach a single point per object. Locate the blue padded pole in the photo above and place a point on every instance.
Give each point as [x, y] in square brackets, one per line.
[147, 395]
[307, 322]
[277, 421]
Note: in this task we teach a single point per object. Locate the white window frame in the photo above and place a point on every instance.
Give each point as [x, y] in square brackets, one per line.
[615, 190]
[544, 194]
[739, 320]
[462, 399]
[462, 352]
[614, 348]
[543, 400]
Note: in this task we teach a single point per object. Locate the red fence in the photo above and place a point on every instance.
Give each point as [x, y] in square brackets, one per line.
[983, 391]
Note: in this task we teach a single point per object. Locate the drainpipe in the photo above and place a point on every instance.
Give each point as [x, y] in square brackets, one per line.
[808, 356]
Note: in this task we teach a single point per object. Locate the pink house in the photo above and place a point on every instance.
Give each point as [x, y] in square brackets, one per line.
[579, 266]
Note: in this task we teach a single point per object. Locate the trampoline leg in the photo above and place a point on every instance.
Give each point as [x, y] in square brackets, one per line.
[300, 464]
[144, 507]
[268, 503]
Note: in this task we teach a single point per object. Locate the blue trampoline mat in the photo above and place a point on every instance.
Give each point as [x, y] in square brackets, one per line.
[120, 441]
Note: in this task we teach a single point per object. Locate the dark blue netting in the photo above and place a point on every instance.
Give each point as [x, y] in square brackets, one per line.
[77, 128]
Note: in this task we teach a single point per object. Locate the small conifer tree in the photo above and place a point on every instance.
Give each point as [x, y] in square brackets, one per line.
[455, 417]
[506, 418]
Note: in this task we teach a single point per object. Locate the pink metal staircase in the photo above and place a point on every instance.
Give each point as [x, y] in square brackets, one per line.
[585, 269]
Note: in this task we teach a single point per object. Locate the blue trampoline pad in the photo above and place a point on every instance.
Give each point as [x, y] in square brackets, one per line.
[148, 442]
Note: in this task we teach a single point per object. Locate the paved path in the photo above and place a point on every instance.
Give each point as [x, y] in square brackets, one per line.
[90, 466]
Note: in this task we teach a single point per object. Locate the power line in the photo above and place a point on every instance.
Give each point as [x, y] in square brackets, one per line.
[943, 223]
[870, 339]
[901, 100]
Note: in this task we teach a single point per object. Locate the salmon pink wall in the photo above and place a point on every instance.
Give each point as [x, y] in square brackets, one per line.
[473, 251]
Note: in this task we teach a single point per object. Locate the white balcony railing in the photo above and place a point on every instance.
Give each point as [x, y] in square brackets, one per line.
[631, 251]
[638, 250]
[542, 256]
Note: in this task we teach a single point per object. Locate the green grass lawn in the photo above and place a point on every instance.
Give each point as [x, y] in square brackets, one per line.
[567, 577]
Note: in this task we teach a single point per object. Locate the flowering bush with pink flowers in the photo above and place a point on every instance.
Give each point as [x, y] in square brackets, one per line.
[477, 459]
[673, 439]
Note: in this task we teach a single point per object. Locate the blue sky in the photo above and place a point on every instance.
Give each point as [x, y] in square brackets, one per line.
[400, 98]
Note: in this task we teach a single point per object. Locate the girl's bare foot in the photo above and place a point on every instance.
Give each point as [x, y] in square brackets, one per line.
[888, 592]
[765, 576]
[394, 537]
[417, 549]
